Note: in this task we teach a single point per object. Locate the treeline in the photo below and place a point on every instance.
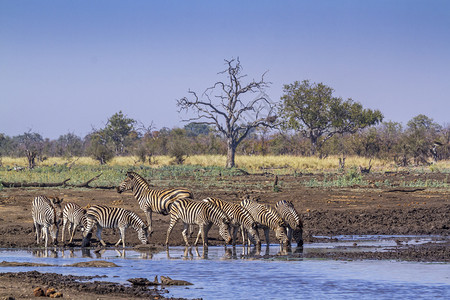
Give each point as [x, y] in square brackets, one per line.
[420, 142]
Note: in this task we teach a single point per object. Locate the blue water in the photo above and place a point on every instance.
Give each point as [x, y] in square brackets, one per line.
[224, 274]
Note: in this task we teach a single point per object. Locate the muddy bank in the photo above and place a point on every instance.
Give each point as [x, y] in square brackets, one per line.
[20, 285]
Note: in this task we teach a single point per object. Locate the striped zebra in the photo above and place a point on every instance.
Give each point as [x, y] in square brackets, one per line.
[240, 218]
[267, 218]
[113, 217]
[46, 213]
[150, 200]
[291, 217]
[199, 213]
[75, 216]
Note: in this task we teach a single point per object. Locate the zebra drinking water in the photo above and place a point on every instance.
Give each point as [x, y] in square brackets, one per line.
[202, 214]
[267, 218]
[291, 217]
[46, 213]
[113, 217]
[150, 200]
[240, 218]
[75, 216]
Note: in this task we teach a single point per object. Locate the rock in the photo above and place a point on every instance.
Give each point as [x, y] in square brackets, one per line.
[38, 292]
[166, 280]
[49, 291]
[56, 295]
[143, 281]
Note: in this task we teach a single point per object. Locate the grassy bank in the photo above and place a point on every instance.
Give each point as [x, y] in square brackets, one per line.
[199, 169]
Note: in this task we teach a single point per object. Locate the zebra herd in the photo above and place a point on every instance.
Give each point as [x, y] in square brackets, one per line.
[248, 216]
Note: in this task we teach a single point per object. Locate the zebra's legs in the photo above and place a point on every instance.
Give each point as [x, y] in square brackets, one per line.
[235, 230]
[45, 235]
[148, 213]
[38, 232]
[184, 233]
[266, 233]
[74, 228]
[289, 235]
[173, 221]
[63, 229]
[99, 235]
[122, 237]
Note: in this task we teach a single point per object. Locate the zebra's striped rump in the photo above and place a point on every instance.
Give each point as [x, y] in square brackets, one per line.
[150, 200]
[267, 217]
[46, 213]
[240, 218]
[114, 217]
[294, 223]
[200, 213]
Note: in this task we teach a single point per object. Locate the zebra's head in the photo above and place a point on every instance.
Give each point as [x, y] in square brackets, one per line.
[143, 234]
[280, 233]
[224, 231]
[254, 235]
[127, 184]
[56, 203]
[54, 230]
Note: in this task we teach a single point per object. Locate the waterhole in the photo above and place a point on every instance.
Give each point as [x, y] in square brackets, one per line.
[237, 273]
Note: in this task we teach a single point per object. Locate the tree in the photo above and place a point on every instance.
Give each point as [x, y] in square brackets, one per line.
[231, 107]
[98, 147]
[421, 132]
[117, 129]
[312, 110]
[31, 143]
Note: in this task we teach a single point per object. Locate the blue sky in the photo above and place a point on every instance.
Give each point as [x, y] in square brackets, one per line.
[67, 66]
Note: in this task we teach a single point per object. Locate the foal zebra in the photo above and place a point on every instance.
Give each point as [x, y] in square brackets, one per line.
[113, 217]
[75, 216]
[202, 214]
[150, 200]
[240, 218]
[294, 224]
[46, 213]
[267, 217]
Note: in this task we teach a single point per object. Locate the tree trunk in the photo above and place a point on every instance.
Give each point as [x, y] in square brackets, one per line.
[231, 153]
[313, 144]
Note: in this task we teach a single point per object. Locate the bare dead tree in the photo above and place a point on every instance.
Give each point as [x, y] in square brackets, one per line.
[231, 106]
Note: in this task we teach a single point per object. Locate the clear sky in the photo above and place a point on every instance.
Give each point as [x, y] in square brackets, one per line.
[67, 66]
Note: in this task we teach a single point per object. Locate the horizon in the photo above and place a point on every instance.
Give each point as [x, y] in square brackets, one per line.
[69, 66]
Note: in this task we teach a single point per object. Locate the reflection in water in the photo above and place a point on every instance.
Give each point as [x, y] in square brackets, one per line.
[52, 253]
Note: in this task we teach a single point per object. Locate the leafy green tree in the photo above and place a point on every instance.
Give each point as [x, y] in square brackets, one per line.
[311, 109]
[118, 129]
[99, 147]
[421, 133]
[231, 107]
[69, 145]
[196, 129]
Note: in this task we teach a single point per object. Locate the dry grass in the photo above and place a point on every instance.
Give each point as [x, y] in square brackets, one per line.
[257, 163]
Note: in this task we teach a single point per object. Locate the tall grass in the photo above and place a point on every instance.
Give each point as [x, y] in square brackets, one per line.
[281, 164]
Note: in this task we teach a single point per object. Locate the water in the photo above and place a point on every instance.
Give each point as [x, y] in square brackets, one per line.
[224, 274]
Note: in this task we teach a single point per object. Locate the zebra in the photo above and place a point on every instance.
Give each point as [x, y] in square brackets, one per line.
[240, 218]
[46, 213]
[113, 217]
[75, 216]
[291, 217]
[150, 200]
[202, 214]
[267, 218]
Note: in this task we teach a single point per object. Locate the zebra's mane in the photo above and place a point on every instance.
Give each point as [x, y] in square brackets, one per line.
[136, 177]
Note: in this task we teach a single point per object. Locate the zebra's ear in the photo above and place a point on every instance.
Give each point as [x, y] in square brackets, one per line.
[130, 174]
